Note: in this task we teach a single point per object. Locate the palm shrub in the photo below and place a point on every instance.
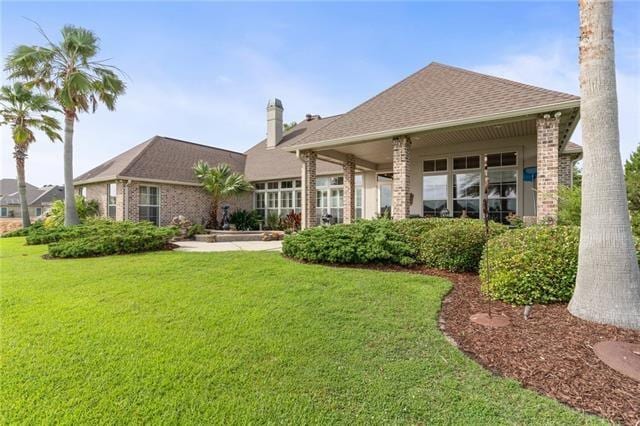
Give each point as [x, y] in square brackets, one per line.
[365, 241]
[537, 264]
[85, 209]
[272, 221]
[245, 220]
[455, 244]
[221, 182]
[25, 111]
[76, 80]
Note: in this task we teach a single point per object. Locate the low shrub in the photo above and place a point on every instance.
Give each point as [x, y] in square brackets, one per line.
[531, 265]
[414, 229]
[569, 207]
[195, 229]
[455, 245]
[23, 232]
[365, 241]
[245, 220]
[134, 240]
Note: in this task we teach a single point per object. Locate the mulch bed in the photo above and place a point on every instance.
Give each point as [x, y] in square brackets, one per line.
[551, 352]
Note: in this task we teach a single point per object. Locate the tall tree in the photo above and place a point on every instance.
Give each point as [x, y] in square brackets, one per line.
[221, 182]
[608, 282]
[76, 80]
[25, 111]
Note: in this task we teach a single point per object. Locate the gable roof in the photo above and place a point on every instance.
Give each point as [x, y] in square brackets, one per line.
[10, 186]
[266, 164]
[162, 159]
[436, 94]
[35, 196]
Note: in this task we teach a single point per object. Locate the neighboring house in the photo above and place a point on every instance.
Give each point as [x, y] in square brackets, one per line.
[39, 200]
[416, 149]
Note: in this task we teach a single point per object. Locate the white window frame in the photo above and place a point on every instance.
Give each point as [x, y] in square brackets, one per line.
[438, 173]
[115, 196]
[450, 172]
[150, 205]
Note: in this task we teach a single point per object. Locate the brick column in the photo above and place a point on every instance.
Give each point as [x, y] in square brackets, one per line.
[565, 170]
[308, 189]
[548, 146]
[349, 198]
[401, 192]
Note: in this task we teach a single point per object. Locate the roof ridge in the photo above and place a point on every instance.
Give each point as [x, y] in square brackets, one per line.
[502, 79]
[370, 100]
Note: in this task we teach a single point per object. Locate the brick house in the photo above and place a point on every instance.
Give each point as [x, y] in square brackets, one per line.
[415, 149]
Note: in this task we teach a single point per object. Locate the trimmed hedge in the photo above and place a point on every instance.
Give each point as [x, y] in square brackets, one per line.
[455, 245]
[365, 241]
[100, 237]
[23, 232]
[532, 265]
[414, 229]
[133, 241]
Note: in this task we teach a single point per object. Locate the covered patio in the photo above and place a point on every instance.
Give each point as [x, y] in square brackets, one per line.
[424, 142]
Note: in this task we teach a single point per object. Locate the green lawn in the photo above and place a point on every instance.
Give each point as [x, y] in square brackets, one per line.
[240, 338]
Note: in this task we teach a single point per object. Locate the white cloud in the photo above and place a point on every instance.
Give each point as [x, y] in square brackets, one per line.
[555, 67]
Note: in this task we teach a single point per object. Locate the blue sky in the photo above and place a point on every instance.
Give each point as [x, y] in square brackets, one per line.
[204, 71]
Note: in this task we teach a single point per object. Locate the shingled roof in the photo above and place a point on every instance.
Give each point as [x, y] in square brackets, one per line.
[435, 94]
[266, 164]
[162, 159]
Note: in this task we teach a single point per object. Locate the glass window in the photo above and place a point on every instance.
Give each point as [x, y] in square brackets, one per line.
[272, 185]
[470, 162]
[272, 200]
[359, 202]
[502, 194]
[434, 194]
[438, 165]
[298, 184]
[38, 211]
[298, 207]
[148, 204]
[502, 159]
[322, 181]
[336, 202]
[286, 184]
[83, 191]
[286, 202]
[466, 194]
[260, 203]
[336, 180]
[258, 186]
[4, 212]
[358, 180]
[111, 200]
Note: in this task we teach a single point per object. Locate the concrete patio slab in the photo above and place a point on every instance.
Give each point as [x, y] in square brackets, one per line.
[199, 246]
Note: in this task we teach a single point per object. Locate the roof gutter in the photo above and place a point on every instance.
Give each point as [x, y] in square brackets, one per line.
[367, 137]
[131, 178]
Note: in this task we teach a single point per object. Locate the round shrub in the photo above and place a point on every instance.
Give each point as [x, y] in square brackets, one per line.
[414, 229]
[366, 241]
[531, 265]
[456, 244]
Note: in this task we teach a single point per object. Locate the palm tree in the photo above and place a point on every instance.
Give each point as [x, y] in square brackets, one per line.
[608, 282]
[25, 111]
[221, 182]
[77, 82]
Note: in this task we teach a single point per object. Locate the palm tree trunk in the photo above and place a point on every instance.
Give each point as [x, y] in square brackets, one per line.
[608, 282]
[70, 212]
[20, 156]
[214, 214]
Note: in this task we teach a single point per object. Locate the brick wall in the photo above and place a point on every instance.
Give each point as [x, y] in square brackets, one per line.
[190, 201]
[548, 161]
[401, 198]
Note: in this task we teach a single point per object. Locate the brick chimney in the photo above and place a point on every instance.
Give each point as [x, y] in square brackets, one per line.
[274, 122]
